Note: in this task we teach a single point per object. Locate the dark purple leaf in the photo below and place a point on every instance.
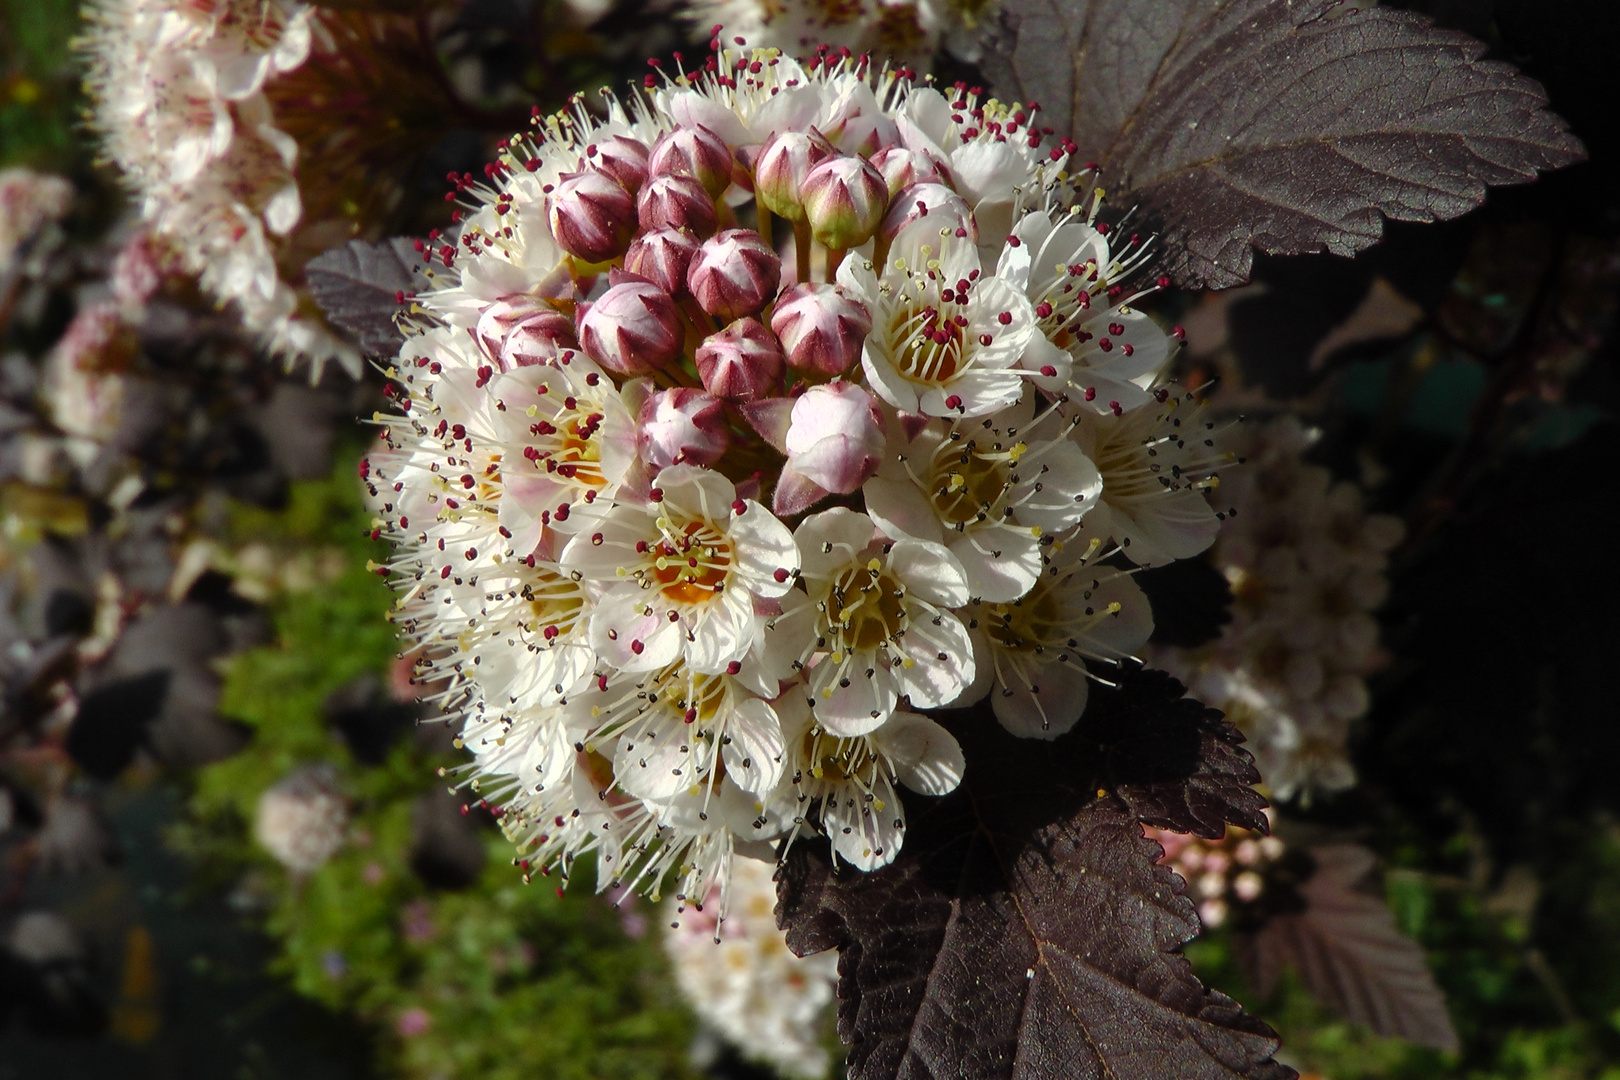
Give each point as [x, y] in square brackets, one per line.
[1241, 124]
[1345, 946]
[1024, 930]
[357, 287]
[1191, 601]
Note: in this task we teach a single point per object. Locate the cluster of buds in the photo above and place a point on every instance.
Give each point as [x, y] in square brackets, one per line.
[744, 426]
[774, 1007]
[1223, 874]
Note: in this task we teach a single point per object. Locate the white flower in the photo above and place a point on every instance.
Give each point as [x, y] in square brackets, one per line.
[874, 616]
[302, 819]
[1156, 463]
[684, 570]
[177, 96]
[29, 203]
[1032, 653]
[742, 980]
[648, 667]
[1306, 564]
[992, 491]
[946, 340]
[1104, 353]
[848, 783]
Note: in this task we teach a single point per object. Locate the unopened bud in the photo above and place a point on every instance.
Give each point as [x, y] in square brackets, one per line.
[821, 328]
[902, 167]
[734, 274]
[632, 329]
[835, 438]
[624, 159]
[521, 331]
[942, 209]
[782, 167]
[662, 257]
[844, 201]
[676, 202]
[693, 151]
[741, 363]
[592, 216]
[682, 425]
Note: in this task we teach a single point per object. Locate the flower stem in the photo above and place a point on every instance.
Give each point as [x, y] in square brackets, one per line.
[801, 249]
[834, 257]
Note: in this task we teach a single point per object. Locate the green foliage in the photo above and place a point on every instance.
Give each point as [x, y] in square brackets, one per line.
[39, 97]
[1523, 1014]
[499, 981]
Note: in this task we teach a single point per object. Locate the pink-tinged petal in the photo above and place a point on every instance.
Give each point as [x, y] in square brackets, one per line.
[829, 540]
[929, 571]
[901, 510]
[931, 682]
[1006, 572]
[1070, 487]
[865, 835]
[855, 702]
[927, 758]
[764, 547]
[654, 758]
[628, 639]
[1042, 700]
[754, 750]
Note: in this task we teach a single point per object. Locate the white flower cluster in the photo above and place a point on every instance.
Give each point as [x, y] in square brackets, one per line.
[905, 31]
[30, 202]
[177, 92]
[774, 1007]
[303, 819]
[1306, 564]
[610, 377]
[1219, 873]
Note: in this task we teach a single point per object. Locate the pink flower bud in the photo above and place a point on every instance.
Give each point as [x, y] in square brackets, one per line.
[682, 426]
[821, 327]
[632, 329]
[835, 438]
[734, 274]
[696, 152]
[942, 208]
[662, 257]
[782, 166]
[623, 158]
[902, 167]
[592, 216]
[676, 202]
[520, 331]
[844, 201]
[741, 362]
